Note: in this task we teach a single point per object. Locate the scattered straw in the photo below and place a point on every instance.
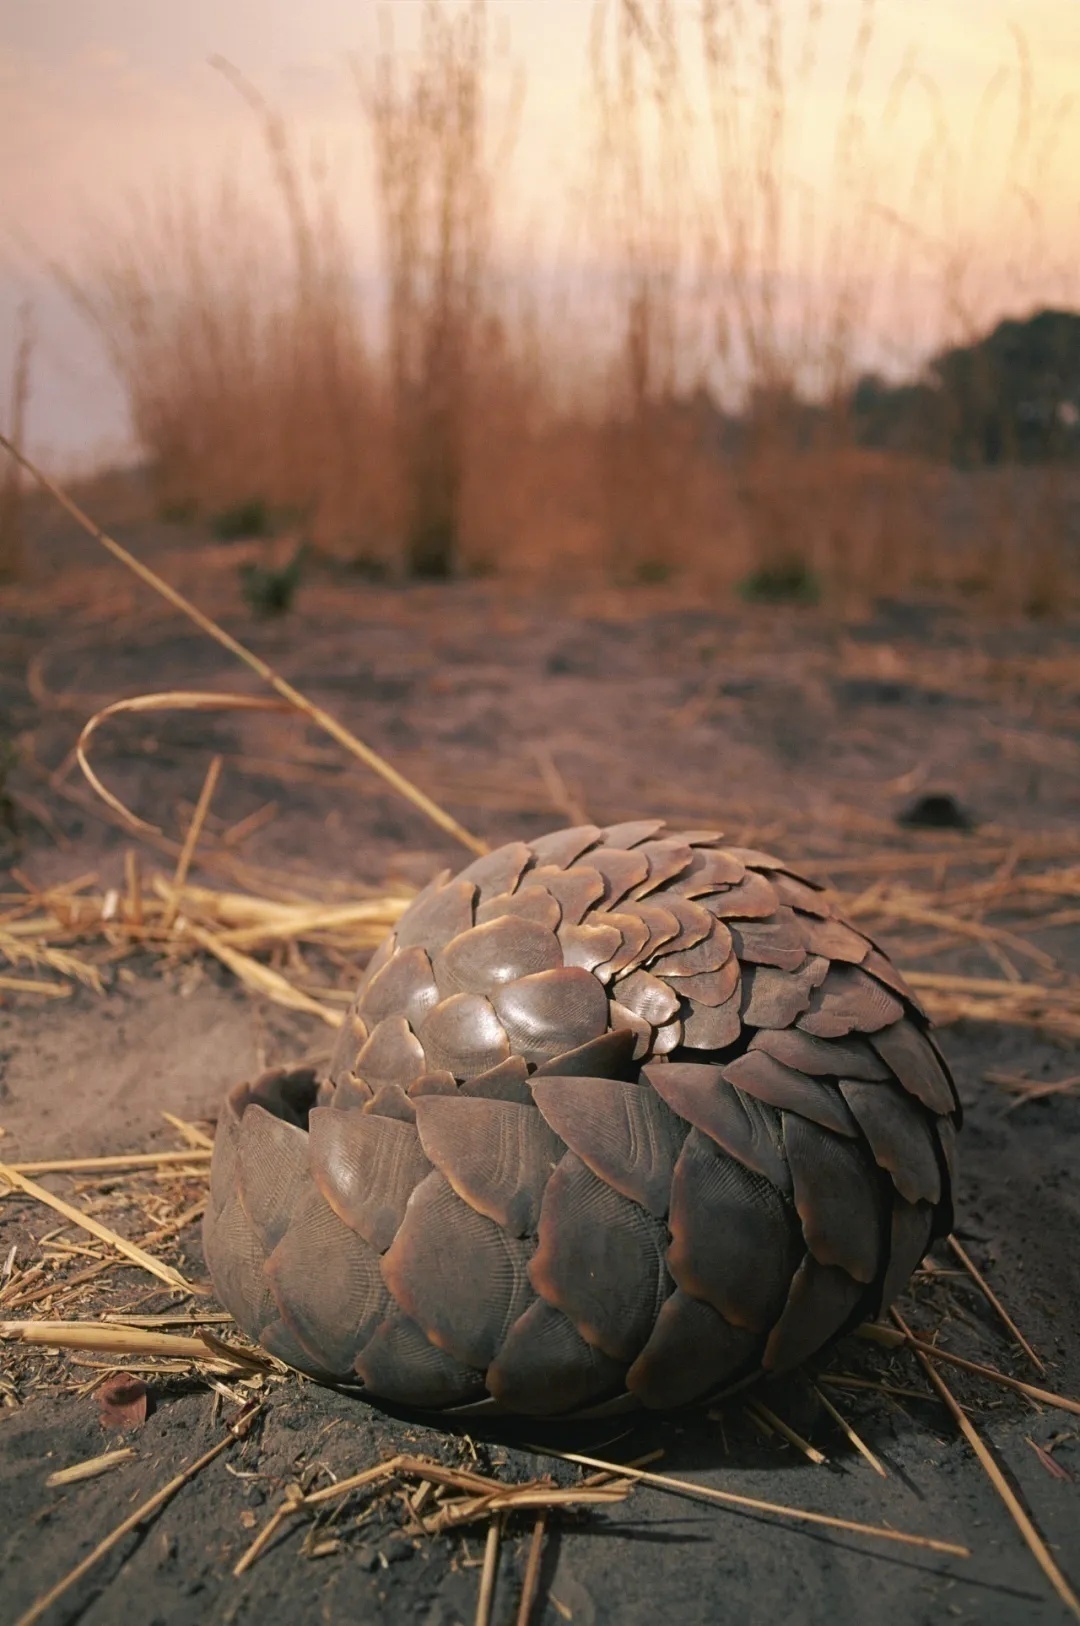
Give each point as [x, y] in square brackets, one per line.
[237, 1430]
[138, 1256]
[874, 1333]
[1035, 1542]
[752, 1504]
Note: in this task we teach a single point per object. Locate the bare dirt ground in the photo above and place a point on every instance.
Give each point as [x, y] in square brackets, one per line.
[522, 712]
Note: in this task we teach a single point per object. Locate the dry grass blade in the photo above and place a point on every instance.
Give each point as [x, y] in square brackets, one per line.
[980, 1280]
[167, 700]
[317, 715]
[262, 980]
[138, 1256]
[489, 1573]
[1035, 1542]
[860, 1444]
[479, 1497]
[752, 1504]
[532, 1570]
[237, 1430]
[29, 985]
[116, 1339]
[196, 1137]
[90, 1469]
[777, 1425]
[114, 1165]
[194, 831]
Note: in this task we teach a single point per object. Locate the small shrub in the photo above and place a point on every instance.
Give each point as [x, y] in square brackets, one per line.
[651, 572]
[249, 518]
[178, 511]
[790, 581]
[269, 590]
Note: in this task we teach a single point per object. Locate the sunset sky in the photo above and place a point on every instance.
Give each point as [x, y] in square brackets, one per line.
[103, 98]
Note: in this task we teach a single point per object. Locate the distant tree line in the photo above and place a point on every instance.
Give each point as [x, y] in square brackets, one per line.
[1012, 396]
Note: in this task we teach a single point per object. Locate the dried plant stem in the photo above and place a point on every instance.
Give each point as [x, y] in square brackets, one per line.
[786, 1432]
[191, 1132]
[489, 1573]
[146, 1511]
[191, 839]
[138, 1256]
[980, 1280]
[90, 1469]
[263, 980]
[113, 1165]
[532, 1570]
[322, 719]
[860, 1444]
[116, 1339]
[752, 1504]
[1035, 1542]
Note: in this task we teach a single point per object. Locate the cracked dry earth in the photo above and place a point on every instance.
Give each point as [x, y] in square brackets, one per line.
[518, 713]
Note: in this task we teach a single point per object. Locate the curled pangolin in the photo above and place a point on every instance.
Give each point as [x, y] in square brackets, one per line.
[617, 1116]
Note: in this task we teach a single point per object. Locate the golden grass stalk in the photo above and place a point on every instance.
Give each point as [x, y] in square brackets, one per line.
[114, 1165]
[860, 1444]
[776, 1425]
[138, 1256]
[980, 1280]
[752, 1504]
[262, 980]
[531, 1578]
[145, 1511]
[1023, 1523]
[489, 1573]
[111, 1338]
[92, 1468]
[30, 985]
[316, 714]
[194, 831]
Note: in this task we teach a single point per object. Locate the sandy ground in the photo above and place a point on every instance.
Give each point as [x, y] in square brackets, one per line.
[516, 712]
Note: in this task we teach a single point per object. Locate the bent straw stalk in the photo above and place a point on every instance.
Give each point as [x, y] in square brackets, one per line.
[322, 719]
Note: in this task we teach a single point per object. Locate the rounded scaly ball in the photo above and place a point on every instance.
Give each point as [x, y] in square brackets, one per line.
[617, 1117]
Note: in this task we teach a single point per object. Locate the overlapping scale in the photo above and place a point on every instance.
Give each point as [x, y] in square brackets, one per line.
[600, 1260]
[734, 1240]
[327, 1284]
[497, 1155]
[457, 1274]
[618, 1116]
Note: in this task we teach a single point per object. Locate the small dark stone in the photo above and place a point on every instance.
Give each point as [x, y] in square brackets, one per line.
[935, 810]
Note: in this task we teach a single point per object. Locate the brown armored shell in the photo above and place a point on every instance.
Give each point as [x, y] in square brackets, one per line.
[617, 1116]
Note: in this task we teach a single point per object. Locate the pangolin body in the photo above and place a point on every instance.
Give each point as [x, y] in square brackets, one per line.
[617, 1117]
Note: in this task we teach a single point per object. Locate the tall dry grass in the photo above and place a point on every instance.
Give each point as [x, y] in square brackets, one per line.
[704, 424]
[12, 550]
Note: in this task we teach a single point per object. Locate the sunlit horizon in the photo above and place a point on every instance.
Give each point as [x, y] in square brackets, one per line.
[110, 99]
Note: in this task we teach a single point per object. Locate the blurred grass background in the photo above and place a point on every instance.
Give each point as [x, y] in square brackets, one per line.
[700, 403]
